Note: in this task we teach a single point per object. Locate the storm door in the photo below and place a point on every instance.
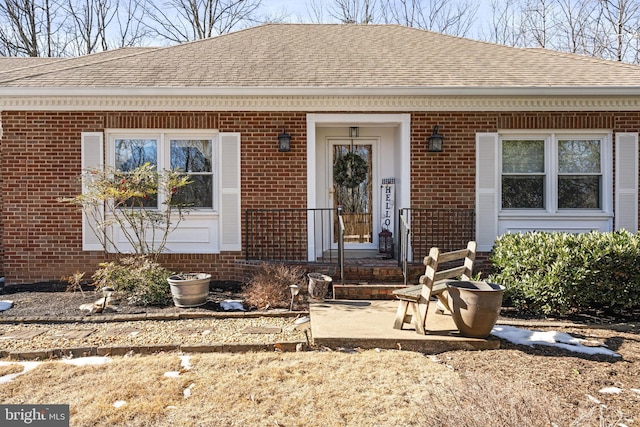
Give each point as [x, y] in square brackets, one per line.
[352, 189]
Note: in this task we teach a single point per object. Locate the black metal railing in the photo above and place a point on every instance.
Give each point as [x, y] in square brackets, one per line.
[283, 234]
[422, 229]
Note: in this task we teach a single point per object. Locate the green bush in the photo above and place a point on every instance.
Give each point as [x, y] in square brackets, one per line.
[557, 273]
[137, 278]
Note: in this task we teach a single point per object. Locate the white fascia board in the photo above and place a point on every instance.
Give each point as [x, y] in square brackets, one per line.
[322, 91]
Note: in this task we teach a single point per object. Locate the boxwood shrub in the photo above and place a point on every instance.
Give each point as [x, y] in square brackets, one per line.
[559, 273]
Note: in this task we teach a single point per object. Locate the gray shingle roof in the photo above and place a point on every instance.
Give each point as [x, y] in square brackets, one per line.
[328, 56]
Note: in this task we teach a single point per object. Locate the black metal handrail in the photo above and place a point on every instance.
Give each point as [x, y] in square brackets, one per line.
[283, 234]
[403, 245]
[447, 229]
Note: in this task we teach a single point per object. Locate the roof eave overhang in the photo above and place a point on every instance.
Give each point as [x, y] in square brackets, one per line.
[322, 91]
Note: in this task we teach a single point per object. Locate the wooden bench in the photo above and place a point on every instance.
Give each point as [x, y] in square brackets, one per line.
[414, 300]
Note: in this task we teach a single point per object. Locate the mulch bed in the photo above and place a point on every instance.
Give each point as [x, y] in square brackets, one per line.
[51, 299]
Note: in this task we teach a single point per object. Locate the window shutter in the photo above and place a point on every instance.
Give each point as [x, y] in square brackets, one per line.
[92, 158]
[487, 176]
[230, 215]
[626, 215]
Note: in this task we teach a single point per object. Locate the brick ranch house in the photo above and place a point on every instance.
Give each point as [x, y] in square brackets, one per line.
[533, 139]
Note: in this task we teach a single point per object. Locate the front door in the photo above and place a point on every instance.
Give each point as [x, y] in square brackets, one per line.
[352, 189]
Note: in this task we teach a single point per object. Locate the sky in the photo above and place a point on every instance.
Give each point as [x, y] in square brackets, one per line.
[298, 10]
[300, 6]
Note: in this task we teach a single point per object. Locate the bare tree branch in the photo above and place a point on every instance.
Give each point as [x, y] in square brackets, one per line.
[177, 21]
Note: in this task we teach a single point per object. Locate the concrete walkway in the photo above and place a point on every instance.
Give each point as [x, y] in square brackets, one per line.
[369, 324]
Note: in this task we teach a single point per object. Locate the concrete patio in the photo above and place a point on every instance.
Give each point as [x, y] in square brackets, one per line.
[369, 324]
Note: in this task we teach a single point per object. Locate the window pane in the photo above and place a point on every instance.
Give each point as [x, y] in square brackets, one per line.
[579, 156]
[522, 156]
[191, 155]
[579, 192]
[132, 153]
[198, 194]
[522, 192]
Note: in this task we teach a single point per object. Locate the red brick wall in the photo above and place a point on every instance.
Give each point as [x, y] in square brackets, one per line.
[40, 238]
[40, 162]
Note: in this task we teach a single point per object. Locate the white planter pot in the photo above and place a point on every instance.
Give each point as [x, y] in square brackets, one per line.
[189, 290]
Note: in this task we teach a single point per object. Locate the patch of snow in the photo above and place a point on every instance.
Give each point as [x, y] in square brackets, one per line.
[636, 390]
[611, 390]
[550, 338]
[187, 391]
[232, 305]
[302, 320]
[27, 366]
[84, 361]
[172, 374]
[119, 404]
[593, 399]
[5, 305]
[185, 362]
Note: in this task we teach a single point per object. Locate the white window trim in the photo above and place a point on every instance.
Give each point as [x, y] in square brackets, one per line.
[551, 171]
[199, 230]
[163, 136]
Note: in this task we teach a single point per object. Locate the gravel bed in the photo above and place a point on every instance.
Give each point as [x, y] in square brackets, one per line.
[144, 332]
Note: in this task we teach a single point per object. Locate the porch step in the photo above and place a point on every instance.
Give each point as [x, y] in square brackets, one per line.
[378, 271]
[366, 291]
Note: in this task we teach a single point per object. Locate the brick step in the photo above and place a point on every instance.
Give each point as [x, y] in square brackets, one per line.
[360, 291]
[380, 274]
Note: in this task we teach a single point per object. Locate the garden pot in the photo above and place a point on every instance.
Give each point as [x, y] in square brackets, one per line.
[189, 290]
[475, 306]
[318, 286]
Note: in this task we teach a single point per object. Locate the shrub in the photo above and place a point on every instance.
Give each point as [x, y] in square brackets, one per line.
[118, 200]
[141, 280]
[269, 287]
[557, 273]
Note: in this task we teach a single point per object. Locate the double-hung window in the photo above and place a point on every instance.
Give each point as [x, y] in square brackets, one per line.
[211, 160]
[192, 155]
[554, 173]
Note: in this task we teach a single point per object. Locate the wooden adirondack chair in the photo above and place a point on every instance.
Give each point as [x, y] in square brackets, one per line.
[414, 300]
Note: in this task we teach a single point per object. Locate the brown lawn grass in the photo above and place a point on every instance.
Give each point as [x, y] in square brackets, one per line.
[10, 369]
[381, 388]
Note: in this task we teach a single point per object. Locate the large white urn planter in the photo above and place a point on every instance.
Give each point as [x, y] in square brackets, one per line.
[189, 289]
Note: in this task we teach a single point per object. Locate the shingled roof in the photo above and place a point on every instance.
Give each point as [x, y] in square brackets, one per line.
[304, 56]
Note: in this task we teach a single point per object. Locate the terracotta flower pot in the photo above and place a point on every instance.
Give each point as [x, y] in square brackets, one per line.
[189, 290]
[475, 306]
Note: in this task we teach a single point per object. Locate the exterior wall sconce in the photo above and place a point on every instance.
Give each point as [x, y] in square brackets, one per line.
[435, 140]
[353, 132]
[284, 141]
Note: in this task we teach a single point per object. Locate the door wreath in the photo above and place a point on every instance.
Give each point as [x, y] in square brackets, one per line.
[350, 170]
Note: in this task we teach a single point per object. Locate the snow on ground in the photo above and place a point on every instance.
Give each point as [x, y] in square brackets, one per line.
[5, 305]
[549, 338]
[84, 361]
[27, 366]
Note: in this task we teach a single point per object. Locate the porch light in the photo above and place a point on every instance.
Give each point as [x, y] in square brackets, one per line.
[385, 244]
[353, 132]
[284, 141]
[435, 140]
